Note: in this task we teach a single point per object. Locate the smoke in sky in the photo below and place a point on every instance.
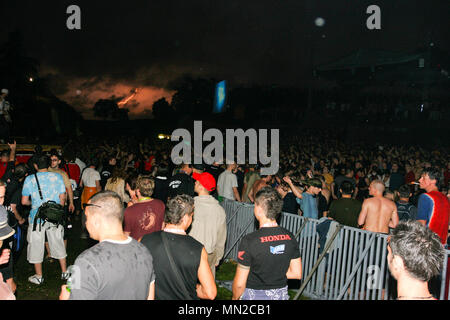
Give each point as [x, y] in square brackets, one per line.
[137, 96]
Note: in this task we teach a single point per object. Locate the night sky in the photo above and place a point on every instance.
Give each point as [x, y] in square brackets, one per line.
[145, 45]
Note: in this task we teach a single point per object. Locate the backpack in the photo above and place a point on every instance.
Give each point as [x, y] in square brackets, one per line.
[48, 211]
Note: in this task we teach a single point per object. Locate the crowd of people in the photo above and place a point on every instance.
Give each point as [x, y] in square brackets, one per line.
[161, 230]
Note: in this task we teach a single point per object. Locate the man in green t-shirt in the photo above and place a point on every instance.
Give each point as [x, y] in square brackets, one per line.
[346, 210]
[250, 177]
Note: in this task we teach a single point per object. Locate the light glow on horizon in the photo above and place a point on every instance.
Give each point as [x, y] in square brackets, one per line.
[125, 100]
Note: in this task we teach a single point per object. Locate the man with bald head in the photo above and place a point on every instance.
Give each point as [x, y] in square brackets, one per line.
[378, 213]
[118, 267]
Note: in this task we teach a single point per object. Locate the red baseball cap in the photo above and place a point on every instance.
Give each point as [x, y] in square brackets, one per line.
[206, 179]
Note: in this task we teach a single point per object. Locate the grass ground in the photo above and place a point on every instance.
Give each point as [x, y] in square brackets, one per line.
[50, 289]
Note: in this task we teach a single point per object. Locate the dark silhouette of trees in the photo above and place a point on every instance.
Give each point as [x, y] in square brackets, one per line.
[108, 108]
[162, 110]
[193, 96]
[37, 112]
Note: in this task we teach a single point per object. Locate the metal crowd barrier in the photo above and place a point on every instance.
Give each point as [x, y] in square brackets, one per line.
[351, 266]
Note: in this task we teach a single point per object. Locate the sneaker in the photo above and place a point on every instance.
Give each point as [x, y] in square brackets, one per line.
[65, 275]
[36, 279]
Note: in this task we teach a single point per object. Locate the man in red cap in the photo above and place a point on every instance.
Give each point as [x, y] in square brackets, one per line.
[209, 225]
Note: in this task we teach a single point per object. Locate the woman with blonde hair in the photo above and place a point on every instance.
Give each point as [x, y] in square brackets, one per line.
[117, 183]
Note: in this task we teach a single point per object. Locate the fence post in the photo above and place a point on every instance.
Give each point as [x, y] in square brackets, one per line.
[322, 255]
[350, 277]
[234, 214]
[238, 238]
[301, 228]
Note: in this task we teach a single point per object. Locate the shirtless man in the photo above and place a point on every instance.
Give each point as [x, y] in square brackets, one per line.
[258, 185]
[378, 214]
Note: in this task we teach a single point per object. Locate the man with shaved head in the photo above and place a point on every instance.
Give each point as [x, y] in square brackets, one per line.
[378, 213]
[118, 267]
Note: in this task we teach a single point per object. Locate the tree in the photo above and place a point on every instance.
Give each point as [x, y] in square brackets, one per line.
[162, 109]
[108, 108]
[194, 96]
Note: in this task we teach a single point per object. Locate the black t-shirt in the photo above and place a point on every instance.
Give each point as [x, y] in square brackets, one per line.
[181, 183]
[406, 211]
[345, 211]
[13, 195]
[290, 204]
[161, 189]
[240, 180]
[186, 253]
[11, 188]
[32, 161]
[268, 252]
[214, 171]
[106, 174]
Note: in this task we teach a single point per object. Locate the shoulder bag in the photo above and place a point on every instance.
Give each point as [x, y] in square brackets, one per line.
[185, 292]
[48, 211]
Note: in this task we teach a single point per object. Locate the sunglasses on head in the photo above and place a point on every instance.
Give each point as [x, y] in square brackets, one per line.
[91, 205]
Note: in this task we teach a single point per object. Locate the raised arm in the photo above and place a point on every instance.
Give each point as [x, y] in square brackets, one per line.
[12, 155]
[297, 192]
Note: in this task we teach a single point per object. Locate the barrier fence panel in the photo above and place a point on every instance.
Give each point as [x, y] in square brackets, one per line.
[240, 221]
[353, 267]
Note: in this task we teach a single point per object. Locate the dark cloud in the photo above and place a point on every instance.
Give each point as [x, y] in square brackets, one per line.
[152, 43]
[250, 40]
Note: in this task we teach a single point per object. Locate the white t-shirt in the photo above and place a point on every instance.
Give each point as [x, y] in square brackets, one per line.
[225, 183]
[89, 177]
[81, 164]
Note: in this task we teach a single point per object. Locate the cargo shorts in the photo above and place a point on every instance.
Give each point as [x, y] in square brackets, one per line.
[36, 242]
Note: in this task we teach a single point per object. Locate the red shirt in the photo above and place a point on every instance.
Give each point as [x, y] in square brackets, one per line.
[434, 208]
[73, 171]
[143, 218]
[148, 164]
[3, 166]
[410, 177]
